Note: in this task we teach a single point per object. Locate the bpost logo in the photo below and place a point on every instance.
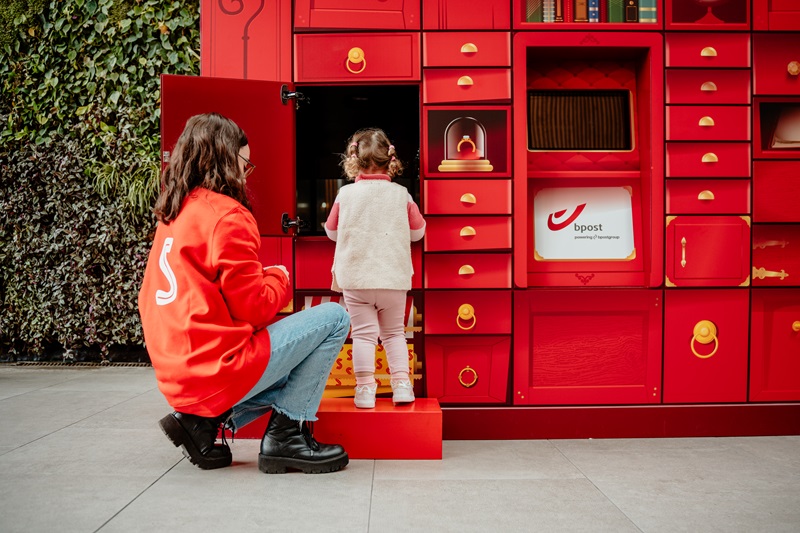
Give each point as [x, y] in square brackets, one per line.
[555, 226]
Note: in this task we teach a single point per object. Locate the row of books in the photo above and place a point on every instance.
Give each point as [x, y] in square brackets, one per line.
[639, 11]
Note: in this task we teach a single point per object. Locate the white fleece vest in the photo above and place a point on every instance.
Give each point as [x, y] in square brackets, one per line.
[373, 244]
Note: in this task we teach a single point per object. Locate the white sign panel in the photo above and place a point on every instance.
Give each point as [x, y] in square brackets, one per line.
[583, 224]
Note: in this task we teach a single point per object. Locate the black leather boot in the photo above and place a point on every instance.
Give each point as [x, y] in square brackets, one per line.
[197, 435]
[289, 444]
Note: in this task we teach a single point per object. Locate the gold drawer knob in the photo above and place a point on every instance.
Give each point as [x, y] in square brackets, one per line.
[468, 370]
[796, 326]
[468, 198]
[356, 57]
[705, 195]
[708, 51]
[465, 81]
[467, 231]
[466, 270]
[710, 157]
[705, 332]
[706, 121]
[469, 48]
[793, 68]
[466, 313]
[708, 86]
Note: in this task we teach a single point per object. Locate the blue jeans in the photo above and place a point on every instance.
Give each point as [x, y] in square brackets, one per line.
[304, 346]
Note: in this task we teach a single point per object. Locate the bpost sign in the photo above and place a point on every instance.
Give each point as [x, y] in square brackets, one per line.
[583, 224]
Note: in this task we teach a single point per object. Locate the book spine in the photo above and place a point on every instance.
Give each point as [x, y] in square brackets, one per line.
[533, 13]
[594, 10]
[549, 11]
[559, 15]
[631, 10]
[616, 10]
[581, 11]
[648, 11]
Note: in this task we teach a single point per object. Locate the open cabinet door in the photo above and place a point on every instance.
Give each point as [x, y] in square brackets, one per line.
[259, 109]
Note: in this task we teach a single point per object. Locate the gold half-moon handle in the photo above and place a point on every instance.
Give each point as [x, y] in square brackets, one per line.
[461, 377]
[710, 157]
[793, 68]
[465, 81]
[469, 48]
[466, 270]
[706, 121]
[708, 86]
[467, 231]
[468, 198]
[466, 313]
[708, 51]
[356, 56]
[796, 326]
[705, 195]
[705, 332]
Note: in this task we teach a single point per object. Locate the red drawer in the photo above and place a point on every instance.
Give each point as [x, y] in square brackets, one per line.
[708, 86]
[470, 49]
[708, 123]
[708, 197]
[776, 63]
[705, 352]
[466, 15]
[467, 312]
[701, 160]
[774, 345]
[467, 233]
[467, 197]
[708, 50]
[776, 255]
[466, 85]
[776, 191]
[471, 370]
[356, 14]
[348, 57]
[711, 251]
[468, 271]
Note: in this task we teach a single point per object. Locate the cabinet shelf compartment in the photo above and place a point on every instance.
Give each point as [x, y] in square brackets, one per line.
[776, 128]
[690, 15]
[530, 14]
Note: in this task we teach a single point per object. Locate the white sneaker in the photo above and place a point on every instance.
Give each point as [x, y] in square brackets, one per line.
[402, 391]
[365, 396]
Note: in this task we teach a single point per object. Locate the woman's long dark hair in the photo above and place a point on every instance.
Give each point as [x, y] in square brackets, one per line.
[206, 155]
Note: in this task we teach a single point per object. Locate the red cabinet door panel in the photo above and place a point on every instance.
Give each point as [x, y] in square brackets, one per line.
[468, 271]
[467, 233]
[467, 312]
[356, 14]
[776, 255]
[587, 346]
[466, 85]
[708, 50]
[357, 58]
[466, 49]
[708, 197]
[711, 251]
[467, 197]
[466, 15]
[776, 191]
[705, 350]
[708, 160]
[773, 55]
[470, 370]
[708, 123]
[775, 345]
[708, 86]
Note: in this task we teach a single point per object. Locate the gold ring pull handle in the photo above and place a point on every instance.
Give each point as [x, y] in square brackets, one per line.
[796, 326]
[465, 81]
[793, 68]
[465, 370]
[705, 332]
[706, 121]
[705, 196]
[468, 198]
[683, 252]
[467, 231]
[469, 48]
[356, 56]
[710, 157]
[708, 86]
[466, 270]
[466, 313]
[708, 51]
[764, 244]
[762, 273]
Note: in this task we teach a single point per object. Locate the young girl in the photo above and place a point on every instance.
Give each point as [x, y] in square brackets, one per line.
[373, 222]
[207, 305]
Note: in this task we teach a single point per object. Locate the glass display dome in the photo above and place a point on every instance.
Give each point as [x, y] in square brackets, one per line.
[465, 147]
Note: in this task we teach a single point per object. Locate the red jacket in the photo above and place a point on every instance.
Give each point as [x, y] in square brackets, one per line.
[203, 297]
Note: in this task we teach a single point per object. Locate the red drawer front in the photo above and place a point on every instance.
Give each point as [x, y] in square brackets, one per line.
[347, 57]
[711, 251]
[466, 49]
[466, 85]
[774, 345]
[708, 86]
[467, 233]
[776, 256]
[467, 312]
[705, 352]
[708, 123]
[471, 370]
[708, 197]
[466, 15]
[356, 14]
[701, 160]
[467, 197]
[468, 271]
[774, 55]
[776, 191]
[708, 50]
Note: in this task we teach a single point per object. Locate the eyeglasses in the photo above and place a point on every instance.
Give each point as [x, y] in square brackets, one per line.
[248, 166]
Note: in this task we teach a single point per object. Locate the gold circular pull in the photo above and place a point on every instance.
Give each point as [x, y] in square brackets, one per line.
[705, 332]
[708, 51]
[796, 326]
[706, 121]
[466, 270]
[461, 377]
[467, 231]
[356, 56]
[466, 313]
[465, 80]
[705, 195]
[793, 68]
[468, 198]
[710, 157]
[465, 139]
[469, 48]
[708, 86]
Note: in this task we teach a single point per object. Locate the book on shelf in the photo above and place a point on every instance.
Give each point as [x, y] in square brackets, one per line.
[533, 11]
[616, 10]
[548, 10]
[631, 10]
[787, 131]
[648, 11]
[594, 10]
[581, 11]
[559, 14]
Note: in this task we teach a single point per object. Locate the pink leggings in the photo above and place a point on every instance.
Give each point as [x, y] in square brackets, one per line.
[377, 313]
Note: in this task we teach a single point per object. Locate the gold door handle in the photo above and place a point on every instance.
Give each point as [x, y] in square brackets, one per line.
[466, 270]
[356, 56]
[708, 51]
[762, 273]
[765, 244]
[705, 195]
[467, 231]
[469, 48]
[466, 313]
[465, 81]
[793, 68]
[706, 121]
[708, 87]
[465, 370]
[468, 198]
[705, 332]
[710, 157]
[683, 252]
[796, 326]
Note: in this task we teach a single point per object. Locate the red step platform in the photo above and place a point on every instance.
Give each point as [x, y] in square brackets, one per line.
[411, 431]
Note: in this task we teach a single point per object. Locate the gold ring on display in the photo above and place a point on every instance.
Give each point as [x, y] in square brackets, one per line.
[465, 139]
